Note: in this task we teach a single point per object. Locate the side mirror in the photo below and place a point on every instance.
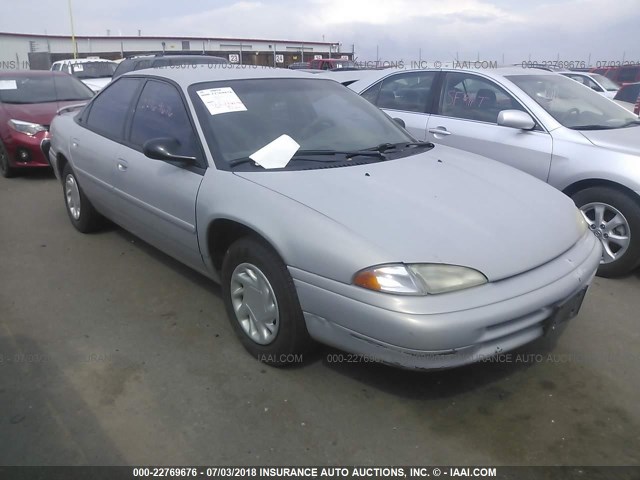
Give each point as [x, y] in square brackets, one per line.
[516, 119]
[163, 148]
[400, 122]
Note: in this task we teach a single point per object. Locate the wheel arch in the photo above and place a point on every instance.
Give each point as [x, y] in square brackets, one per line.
[223, 232]
[600, 182]
[60, 164]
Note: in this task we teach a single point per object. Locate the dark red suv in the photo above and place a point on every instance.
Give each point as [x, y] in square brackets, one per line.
[29, 100]
[624, 74]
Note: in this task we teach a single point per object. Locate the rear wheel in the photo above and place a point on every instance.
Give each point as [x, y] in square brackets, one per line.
[262, 303]
[614, 217]
[6, 170]
[83, 216]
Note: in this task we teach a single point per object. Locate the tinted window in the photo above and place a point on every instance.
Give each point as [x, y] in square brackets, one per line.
[371, 94]
[161, 113]
[124, 67]
[628, 93]
[628, 74]
[42, 88]
[177, 61]
[407, 91]
[142, 64]
[109, 110]
[85, 70]
[474, 98]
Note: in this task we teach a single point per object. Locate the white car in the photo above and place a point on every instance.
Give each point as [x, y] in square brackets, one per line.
[596, 82]
[94, 72]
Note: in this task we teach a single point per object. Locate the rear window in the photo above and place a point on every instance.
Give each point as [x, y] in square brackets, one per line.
[124, 67]
[628, 74]
[172, 62]
[628, 93]
[42, 88]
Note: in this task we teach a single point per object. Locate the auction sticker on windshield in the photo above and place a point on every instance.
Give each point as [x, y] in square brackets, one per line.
[8, 85]
[221, 100]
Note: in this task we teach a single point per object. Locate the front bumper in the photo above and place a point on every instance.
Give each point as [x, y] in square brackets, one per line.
[27, 151]
[448, 330]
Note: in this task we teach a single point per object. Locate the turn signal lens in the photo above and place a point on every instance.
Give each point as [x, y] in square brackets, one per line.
[389, 279]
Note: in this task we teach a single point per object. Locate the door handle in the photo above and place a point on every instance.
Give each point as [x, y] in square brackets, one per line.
[439, 131]
[122, 165]
[74, 143]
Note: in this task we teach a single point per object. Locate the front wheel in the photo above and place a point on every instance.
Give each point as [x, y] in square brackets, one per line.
[614, 217]
[83, 216]
[262, 304]
[6, 170]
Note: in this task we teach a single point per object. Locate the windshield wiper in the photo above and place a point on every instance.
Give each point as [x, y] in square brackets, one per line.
[383, 147]
[631, 122]
[304, 154]
[593, 127]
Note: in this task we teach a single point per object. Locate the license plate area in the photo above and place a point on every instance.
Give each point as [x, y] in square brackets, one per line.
[565, 312]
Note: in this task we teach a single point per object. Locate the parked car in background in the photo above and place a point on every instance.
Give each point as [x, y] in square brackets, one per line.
[164, 60]
[540, 122]
[94, 72]
[299, 66]
[624, 74]
[409, 254]
[332, 64]
[600, 70]
[629, 97]
[595, 81]
[29, 100]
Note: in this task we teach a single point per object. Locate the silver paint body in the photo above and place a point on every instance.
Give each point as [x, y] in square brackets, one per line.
[556, 154]
[442, 206]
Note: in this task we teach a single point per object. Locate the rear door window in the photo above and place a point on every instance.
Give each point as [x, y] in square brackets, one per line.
[109, 111]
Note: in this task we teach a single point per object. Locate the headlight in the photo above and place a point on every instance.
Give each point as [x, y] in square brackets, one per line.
[583, 225]
[418, 278]
[26, 127]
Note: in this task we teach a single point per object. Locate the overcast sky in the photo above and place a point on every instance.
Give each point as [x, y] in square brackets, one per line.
[541, 30]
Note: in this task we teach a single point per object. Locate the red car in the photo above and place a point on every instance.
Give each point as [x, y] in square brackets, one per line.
[29, 100]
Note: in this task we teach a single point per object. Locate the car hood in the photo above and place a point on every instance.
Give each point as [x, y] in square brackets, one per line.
[624, 140]
[96, 84]
[444, 206]
[41, 113]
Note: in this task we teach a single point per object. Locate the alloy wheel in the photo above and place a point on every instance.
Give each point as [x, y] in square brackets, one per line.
[610, 226]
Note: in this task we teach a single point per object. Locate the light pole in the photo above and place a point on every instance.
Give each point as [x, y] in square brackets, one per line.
[73, 33]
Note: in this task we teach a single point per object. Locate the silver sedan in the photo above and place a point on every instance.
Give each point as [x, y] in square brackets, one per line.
[323, 219]
[537, 121]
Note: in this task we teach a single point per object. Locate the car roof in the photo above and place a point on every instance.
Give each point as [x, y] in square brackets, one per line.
[31, 73]
[211, 73]
[83, 60]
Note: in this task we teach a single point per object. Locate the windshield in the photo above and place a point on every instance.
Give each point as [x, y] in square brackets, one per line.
[345, 64]
[317, 114]
[93, 69]
[606, 83]
[573, 105]
[42, 89]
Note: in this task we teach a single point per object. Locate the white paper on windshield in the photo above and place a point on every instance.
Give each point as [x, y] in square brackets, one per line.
[8, 85]
[77, 67]
[277, 153]
[221, 100]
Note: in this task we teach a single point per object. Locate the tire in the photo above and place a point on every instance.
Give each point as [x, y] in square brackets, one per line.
[281, 338]
[620, 256]
[6, 170]
[85, 219]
